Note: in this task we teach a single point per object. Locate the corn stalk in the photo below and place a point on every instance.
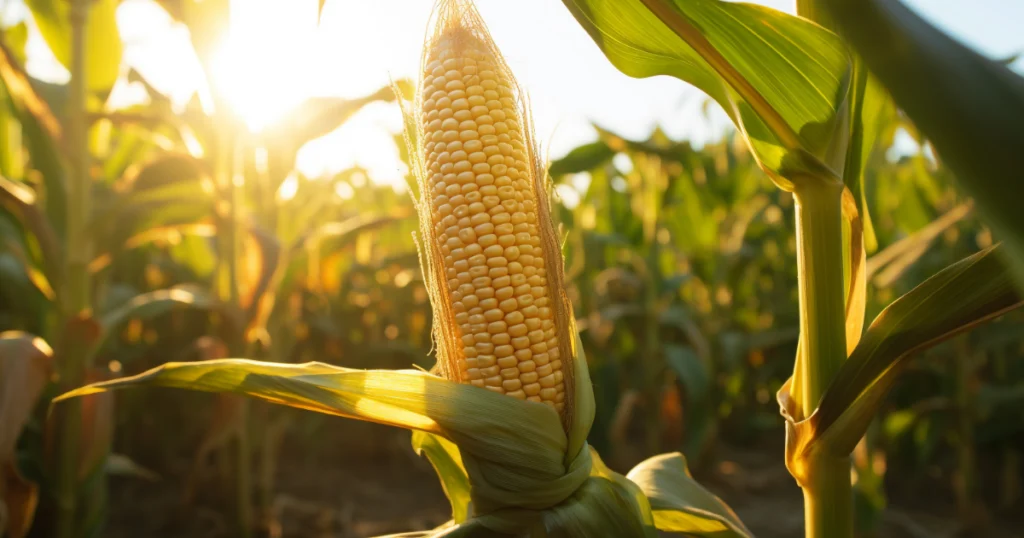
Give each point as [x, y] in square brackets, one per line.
[76, 274]
[828, 494]
[228, 179]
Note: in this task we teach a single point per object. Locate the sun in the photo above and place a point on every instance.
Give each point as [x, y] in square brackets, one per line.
[275, 54]
[267, 62]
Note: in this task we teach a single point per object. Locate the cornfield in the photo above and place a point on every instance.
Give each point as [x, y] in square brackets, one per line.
[790, 328]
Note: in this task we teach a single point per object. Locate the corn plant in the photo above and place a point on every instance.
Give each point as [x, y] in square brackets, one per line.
[666, 302]
[810, 112]
[59, 236]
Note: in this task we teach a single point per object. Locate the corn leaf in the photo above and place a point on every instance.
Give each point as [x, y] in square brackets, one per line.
[680, 504]
[889, 264]
[139, 210]
[174, 234]
[21, 202]
[522, 451]
[42, 136]
[318, 116]
[155, 303]
[871, 110]
[342, 234]
[782, 79]
[103, 41]
[961, 296]
[971, 108]
[447, 462]
[20, 265]
[26, 365]
[582, 159]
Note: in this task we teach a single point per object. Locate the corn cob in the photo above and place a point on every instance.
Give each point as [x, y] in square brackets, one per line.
[489, 224]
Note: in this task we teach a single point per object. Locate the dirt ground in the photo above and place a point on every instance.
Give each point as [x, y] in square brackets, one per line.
[363, 480]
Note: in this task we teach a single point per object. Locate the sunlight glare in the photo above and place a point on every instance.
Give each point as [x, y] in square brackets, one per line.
[344, 190]
[289, 187]
[267, 61]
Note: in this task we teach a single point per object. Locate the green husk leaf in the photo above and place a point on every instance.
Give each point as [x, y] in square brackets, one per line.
[513, 450]
[680, 504]
[447, 462]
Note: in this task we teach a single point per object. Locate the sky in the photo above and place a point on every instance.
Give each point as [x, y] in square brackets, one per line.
[277, 56]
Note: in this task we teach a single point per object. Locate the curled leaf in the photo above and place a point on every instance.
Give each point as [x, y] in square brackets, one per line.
[680, 504]
[961, 296]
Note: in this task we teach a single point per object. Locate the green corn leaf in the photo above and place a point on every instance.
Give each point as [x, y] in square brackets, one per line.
[152, 304]
[27, 281]
[447, 462]
[168, 190]
[339, 235]
[680, 504]
[174, 234]
[782, 79]
[871, 111]
[887, 265]
[103, 41]
[514, 450]
[257, 309]
[582, 159]
[21, 202]
[318, 116]
[969, 107]
[164, 168]
[41, 135]
[961, 296]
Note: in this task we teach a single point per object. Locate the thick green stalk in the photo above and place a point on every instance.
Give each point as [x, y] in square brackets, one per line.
[828, 493]
[75, 300]
[828, 499]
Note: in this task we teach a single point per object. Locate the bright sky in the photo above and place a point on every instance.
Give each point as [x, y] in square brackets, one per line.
[277, 56]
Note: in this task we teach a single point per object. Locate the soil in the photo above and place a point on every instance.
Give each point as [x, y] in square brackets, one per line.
[362, 480]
